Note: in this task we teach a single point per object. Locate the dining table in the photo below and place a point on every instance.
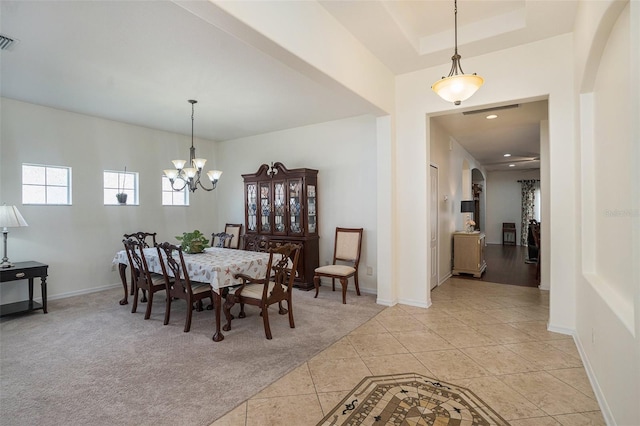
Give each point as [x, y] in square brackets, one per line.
[215, 266]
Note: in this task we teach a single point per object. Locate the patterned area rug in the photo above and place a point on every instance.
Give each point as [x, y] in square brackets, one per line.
[411, 399]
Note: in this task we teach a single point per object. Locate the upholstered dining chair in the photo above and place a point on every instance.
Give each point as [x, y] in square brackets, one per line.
[275, 287]
[177, 282]
[142, 237]
[220, 239]
[346, 257]
[141, 278]
[235, 230]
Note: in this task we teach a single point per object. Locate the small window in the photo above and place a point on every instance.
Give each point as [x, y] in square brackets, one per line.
[170, 197]
[46, 184]
[120, 188]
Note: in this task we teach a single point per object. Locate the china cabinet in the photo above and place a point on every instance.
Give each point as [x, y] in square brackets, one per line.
[468, 253]
[281, 207]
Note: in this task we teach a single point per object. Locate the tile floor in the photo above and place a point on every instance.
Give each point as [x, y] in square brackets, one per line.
[490, 338]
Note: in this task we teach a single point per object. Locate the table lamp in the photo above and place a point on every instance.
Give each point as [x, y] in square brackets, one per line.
[467, 207]
[10, 217]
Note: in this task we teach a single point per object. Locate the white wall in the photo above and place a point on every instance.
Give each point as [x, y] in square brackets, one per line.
[608, 288]
[343, 152]
[79, 241]
[504, 202]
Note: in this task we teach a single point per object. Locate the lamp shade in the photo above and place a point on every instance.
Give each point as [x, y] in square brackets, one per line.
[10, 217]
[467, 207]
[457, 88]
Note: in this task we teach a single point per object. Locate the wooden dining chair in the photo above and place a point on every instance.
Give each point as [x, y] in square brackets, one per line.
[220, 239]
[235, 230]
[346, 257]
[141, 278]
[142, 237]
[177, 282]
[275, 287]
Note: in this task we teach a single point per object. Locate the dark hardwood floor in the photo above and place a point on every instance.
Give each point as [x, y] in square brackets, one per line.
[506, 265]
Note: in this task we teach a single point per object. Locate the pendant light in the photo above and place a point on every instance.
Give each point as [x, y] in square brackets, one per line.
[458, 86]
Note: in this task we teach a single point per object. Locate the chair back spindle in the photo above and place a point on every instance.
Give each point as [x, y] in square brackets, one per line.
[220, 239]
[142, 238]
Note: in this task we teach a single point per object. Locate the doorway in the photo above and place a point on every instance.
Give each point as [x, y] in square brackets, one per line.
[433, 227]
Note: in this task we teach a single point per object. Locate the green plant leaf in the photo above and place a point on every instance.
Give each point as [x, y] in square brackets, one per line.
[193, 242]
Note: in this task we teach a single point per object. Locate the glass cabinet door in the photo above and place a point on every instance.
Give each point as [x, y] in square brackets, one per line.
[279, 207]
[311, 209]
[252, 207]
[265, 207]
[295, 206]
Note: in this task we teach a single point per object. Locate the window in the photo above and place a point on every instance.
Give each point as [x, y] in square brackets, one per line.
[46, 184]
[120, 183]
[171, 197]
[537, 203]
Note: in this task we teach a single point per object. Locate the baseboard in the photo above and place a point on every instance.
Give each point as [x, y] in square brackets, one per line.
[79, 292]
[369, 291]
[416, 303]
[445, 278]
[602, 402]
[385, 302]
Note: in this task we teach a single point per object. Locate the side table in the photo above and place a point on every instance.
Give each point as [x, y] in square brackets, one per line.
[25, 271]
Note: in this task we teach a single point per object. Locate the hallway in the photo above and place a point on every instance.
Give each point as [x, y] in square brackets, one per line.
[506, 265]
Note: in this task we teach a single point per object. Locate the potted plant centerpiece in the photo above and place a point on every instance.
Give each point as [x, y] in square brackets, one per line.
[121, 196]
[193, 242]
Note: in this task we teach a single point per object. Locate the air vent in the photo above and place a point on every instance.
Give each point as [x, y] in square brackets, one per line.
[6, 42]
[482, 111]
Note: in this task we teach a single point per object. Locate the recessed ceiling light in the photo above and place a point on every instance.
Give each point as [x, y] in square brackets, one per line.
[512, 165]
[507, 155]
[491, 117]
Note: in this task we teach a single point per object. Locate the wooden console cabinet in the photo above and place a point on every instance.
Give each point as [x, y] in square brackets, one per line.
[25, 271]
[468, 253]
[280, 207]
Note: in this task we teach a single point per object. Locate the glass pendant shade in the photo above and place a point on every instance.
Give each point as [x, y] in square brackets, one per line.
[171, 173]
[198, 163]
[190, 172]
[214, 175]
[457, 88]
[179, 164]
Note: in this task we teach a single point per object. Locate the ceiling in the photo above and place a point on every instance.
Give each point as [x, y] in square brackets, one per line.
[139, 63]
[515, 131]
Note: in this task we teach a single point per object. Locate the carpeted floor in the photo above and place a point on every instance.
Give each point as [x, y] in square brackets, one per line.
[91, 361]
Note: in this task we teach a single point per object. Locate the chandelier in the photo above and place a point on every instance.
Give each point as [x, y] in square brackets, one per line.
[189, 177]
[458, 86]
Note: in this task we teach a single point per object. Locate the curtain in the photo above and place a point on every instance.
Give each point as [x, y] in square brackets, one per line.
[528, 197]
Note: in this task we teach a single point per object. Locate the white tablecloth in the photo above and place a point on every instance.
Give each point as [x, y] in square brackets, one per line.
[215, 266]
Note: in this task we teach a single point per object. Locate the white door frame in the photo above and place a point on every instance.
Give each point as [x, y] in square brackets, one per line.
[434, 227]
